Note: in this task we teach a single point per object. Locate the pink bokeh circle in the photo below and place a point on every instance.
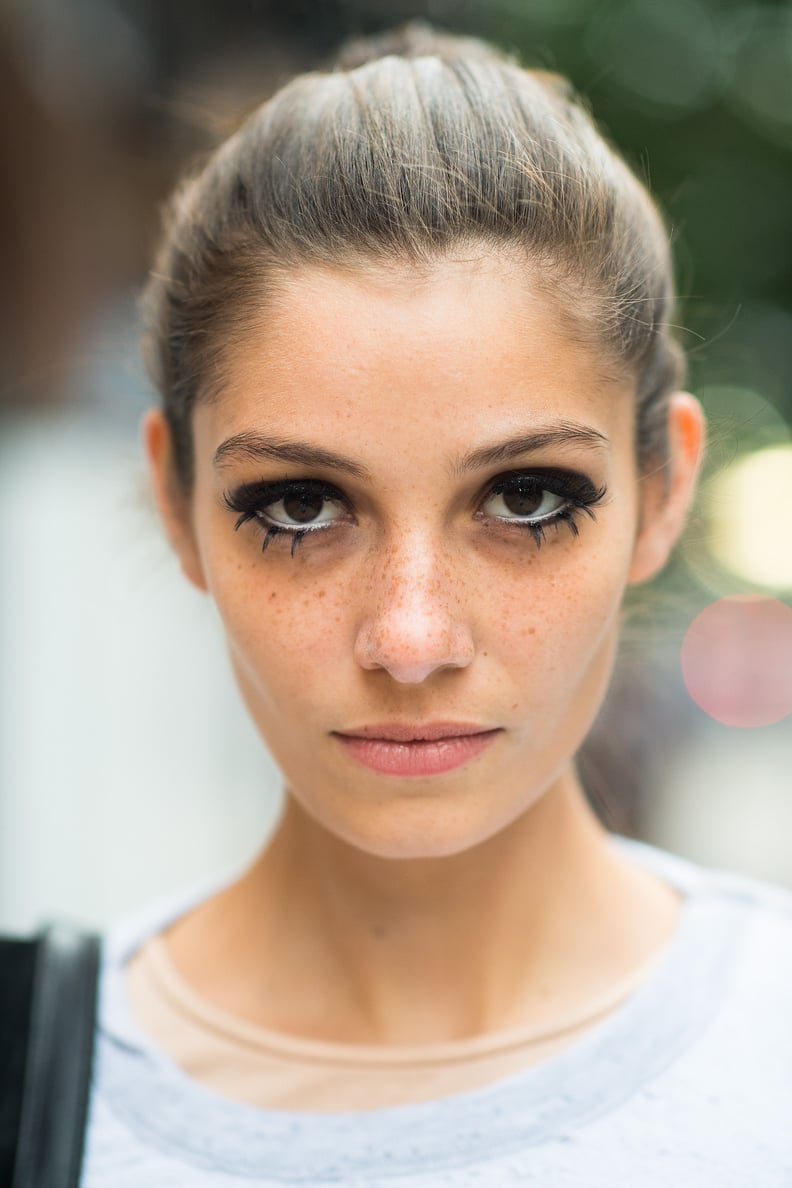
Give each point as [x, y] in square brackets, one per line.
[737, 660]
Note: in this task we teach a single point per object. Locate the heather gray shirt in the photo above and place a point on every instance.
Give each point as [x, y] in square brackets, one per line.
[688, 1083]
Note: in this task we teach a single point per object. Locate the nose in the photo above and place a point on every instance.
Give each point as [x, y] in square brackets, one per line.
[414, 626]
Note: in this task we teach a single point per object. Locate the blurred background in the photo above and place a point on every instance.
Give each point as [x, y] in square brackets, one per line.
[127, 765]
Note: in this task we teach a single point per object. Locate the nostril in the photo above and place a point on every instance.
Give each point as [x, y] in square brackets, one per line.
[412, 674]
[410, 652]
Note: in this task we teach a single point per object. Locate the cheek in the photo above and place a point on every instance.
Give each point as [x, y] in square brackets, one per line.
[570, 583]
[554, 630]
[281, 630]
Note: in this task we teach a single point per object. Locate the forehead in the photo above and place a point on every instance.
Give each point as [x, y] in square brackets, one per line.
[471, 345]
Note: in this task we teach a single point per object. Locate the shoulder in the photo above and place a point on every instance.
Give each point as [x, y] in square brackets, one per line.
[696, 878]
[126, 937]
[764, 975]
[716, 1016]
[755, 914]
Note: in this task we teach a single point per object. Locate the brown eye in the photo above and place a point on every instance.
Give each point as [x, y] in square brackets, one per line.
[303, 508]
[523, 501]
[294, 508]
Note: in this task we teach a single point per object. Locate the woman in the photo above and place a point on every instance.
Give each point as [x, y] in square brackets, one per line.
[421, 429]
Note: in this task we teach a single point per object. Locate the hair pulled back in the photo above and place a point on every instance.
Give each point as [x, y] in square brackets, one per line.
[417, 144]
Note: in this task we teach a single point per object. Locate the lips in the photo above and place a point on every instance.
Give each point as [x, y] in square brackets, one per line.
[416, 749]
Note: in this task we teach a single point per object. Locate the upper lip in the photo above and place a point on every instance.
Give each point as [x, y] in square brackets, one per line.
[415, 731]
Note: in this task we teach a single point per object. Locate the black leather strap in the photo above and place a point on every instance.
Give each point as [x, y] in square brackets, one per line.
[17, 967]
[58, 1068]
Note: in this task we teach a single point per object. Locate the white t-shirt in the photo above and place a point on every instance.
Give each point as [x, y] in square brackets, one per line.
[688, 1083]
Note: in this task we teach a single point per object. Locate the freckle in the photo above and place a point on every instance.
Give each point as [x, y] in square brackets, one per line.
[515, 706]
[320, 594]
[273, 595]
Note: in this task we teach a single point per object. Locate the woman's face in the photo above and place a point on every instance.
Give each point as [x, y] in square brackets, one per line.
[416, 507]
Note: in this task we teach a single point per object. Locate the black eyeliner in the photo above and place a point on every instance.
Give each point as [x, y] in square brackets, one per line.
[251, 497]
[581, 495]
[579, 492]
[251, 500]
[572, 484]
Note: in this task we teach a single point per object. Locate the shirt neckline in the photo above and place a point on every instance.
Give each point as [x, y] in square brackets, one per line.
[602, 1069]
[215, 1022]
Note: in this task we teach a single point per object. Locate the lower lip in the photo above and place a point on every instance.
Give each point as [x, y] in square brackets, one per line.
[421, 758]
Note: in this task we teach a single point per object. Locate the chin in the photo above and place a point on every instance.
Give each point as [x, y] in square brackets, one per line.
[413, 831]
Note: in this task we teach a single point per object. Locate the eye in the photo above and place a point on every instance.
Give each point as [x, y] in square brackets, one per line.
[523, 500]
[291, 507]
[536, 500]
[302, 507]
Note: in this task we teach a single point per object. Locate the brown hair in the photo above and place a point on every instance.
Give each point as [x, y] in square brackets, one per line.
[416, 144]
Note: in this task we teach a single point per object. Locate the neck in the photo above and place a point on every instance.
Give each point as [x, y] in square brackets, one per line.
[520, 929]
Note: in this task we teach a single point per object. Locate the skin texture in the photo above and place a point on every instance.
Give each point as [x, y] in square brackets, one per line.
[410, 910]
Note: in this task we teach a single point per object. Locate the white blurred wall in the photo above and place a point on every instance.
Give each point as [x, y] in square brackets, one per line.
[726, 800]
[127, 763]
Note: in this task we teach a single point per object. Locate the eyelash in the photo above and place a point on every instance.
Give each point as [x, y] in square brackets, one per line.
[580, 496]
[251, 500]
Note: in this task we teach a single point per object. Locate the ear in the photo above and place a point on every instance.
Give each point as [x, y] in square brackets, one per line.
[172, 503]
[667, 494]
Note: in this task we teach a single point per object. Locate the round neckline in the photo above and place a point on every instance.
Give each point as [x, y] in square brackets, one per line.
[607, 1065]
[205, 1015]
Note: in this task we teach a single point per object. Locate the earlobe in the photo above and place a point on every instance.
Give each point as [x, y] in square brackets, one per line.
[668, 494]
[172, 503]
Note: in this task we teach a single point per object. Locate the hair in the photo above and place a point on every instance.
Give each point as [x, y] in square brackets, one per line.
[415, 145]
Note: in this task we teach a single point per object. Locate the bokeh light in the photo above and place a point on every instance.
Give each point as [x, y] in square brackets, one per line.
[748, 508]
[737, 660]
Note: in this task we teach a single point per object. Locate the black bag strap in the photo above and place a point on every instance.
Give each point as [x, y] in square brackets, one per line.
[57, 1077]
[17, 968]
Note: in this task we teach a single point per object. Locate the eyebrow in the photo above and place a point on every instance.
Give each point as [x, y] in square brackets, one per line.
[251, 446]
[560, 434]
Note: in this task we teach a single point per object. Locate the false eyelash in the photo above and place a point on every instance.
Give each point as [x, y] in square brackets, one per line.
[580, 493]
[251, 500]
[538, 528]
[581, 496]
[275, 530]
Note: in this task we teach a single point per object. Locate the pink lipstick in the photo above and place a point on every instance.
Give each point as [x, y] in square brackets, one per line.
[416, 750]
